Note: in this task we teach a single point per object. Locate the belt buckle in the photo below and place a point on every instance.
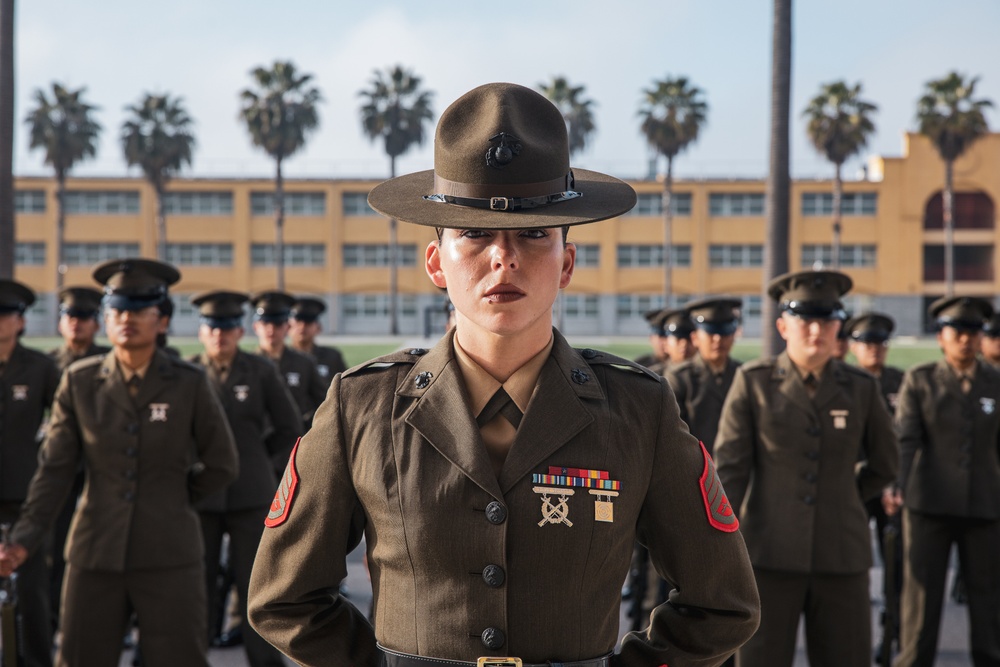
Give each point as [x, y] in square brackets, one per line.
[499, 662]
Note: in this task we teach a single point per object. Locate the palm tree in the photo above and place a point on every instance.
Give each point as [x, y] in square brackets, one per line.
[7, 238]
[158, 139]
[839, 126]
[279, 112]
[778, 179]
[950, 116]
[65, 129]
[577, 111]
[395, 109]
[673, 112]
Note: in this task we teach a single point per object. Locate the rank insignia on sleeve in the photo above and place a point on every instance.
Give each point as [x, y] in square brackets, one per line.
[720, 512]
[282, 502]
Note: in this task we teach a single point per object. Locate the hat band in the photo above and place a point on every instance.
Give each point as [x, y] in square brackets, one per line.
[515, 197]
[79, 313]
[223, 323]
[118, 301]
[812, 310]
[960, 324]
[724, 328]
[12, 308]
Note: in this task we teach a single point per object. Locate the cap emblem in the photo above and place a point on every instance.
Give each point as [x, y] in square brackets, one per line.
[503, 150]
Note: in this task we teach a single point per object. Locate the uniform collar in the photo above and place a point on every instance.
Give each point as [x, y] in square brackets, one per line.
[481, 385]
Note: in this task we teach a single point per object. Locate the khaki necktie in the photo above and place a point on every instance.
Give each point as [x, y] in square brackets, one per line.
[133, 384]
[811, 384]
[966, 383]
[501, 404]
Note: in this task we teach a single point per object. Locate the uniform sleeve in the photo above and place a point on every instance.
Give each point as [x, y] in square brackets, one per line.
[58, 460]
[52, 377]
[218, 462]
[734, 443]
[284, 417]
[909, 425]
[694, 543]
[881, 463]
[314, 522]
[679, 388]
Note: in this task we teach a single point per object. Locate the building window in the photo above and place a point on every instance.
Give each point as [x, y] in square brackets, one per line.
[856, 256]
[376, 305]
[371, 254]
[851, 203]
[971, 263]
[722, 204]
[200, 254]
[87, 254]
[588, 256]
[651, 204]
[637, 305]
[730, 256]
[751, 307]
[296, 254]
[29, 201]
[356, 203]
[29, 254]
[580, 305]
[970, 210]
[638, 256]
[296, 203]
[103, 203]
[198, 203]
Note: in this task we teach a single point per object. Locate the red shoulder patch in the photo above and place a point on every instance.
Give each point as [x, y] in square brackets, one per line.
[282, 503]
[720, 512]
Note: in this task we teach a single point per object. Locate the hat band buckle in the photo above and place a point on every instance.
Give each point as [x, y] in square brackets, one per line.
[499, 662]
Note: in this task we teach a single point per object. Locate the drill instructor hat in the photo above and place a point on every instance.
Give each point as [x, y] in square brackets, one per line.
[501, 161]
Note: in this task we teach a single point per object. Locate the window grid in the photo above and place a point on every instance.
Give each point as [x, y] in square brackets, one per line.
[111, 202]
[588, 256]
[296, 254]
[200, 254]
[296, 203]
[377, 255]
[857, 256]
[198, 203]
[87, 254]
[640, 256]
[735, 204]
[650, 204]
[376, 305]
[636, 305]
[580, 306]
[356, 203]
[852, 203]
[730, 256]
[29, 253]
[29, 201]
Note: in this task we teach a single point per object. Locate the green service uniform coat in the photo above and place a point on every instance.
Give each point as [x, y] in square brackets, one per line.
[950, 477]
[64, 356]
[303, 381]
[700, 397]
[891, 380]
[465, 564]
[146, 459]
[329, 362]
[790, 464]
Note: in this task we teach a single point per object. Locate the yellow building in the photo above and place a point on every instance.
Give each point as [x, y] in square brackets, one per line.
[220, 234]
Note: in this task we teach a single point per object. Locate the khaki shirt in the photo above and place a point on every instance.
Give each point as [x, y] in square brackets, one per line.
[465, 563]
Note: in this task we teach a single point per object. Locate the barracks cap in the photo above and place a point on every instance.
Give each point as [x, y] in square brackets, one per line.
[716, 314]
[15, 297]
[842, 331]
[964, 313]
[501, 161]
[82, 302]
[308, 309]
[220, 309]
[673, 322]
[869, 328]
[811, 294]
[992, 326]
[272, 306]
[135, 283]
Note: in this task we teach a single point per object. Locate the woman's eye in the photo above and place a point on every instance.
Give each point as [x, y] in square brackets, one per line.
[534, 233]
[473, 233]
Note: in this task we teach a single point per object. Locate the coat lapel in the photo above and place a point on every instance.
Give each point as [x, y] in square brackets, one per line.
[555, 414]
[791, 385]
[441, 414]
[158, 376]
[112, 384]
[832, 383]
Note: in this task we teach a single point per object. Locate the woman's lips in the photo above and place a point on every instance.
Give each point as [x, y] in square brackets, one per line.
[503, 294]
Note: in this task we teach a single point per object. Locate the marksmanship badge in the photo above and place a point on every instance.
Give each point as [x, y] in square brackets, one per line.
[839, 419]
[554, 512]
[241, 391]
[989, 405]
[19, 392]
[598, 481]
[604, 510]
[293, 379]
[158, 412]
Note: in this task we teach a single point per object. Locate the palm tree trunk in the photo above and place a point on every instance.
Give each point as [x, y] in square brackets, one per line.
[60, 229]
[279, 227]
[7, 236]
[776, 248]
[949, 228]
[393, 264]
[838, 197]
[161, 226]
[668, 232]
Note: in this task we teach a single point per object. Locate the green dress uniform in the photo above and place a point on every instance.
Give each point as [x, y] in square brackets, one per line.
[790, 466]
[701, 394]
[467, 563]
[950, 477]
[329, 361]
[302, 379]
[64, 356]
[28, 381]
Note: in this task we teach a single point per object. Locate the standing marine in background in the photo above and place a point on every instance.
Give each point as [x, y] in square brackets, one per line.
[674, 328]
[990, 345]
[304, 326]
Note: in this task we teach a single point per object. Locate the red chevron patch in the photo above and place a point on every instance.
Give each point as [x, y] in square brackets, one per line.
[282, 503]
[720, 512]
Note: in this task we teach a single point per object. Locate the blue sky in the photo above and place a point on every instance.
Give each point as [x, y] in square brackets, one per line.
[202, 50]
